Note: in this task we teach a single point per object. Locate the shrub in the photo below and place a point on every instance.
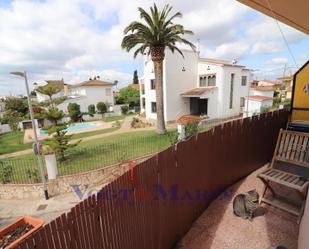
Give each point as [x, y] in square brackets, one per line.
[101, 107]
[74, 111]
[191, 129]
[33, 174]
[172, 137]
[91, 110]
[124, 109]
[6, 173]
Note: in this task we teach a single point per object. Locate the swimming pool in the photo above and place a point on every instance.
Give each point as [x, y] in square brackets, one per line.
[76, 127]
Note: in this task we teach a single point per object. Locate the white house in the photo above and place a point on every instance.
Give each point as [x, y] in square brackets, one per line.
[261, 96]
[196, 86]
[89, 93]
[84, 94]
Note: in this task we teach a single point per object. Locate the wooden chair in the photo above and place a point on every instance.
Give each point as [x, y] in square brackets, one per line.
[292, 148]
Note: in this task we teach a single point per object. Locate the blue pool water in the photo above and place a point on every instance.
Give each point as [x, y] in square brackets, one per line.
[75, 127]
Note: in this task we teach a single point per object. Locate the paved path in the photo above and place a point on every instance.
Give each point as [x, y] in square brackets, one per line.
[125, 128]
[11, 210]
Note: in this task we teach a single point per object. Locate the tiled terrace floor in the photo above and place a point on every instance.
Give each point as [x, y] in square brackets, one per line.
[218, 228]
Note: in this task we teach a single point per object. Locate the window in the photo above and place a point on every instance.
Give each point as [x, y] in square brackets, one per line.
[232, 90]
[242, 102]
[212, 80]
[153, 107]
[203, 81]
[208, 80]
[143, 103]
[243, 80]
[152, 84]
[108, 92]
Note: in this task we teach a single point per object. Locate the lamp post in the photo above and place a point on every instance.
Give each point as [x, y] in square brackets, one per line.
[36, 141]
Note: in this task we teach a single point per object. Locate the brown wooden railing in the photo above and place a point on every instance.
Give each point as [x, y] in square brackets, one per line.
[154, 205]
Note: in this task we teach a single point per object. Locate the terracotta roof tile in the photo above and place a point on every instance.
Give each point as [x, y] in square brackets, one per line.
[264, 88]
[187, 118]
[198, 91]
[259, 98]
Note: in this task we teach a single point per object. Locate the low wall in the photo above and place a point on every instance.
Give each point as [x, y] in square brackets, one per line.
[63, 184]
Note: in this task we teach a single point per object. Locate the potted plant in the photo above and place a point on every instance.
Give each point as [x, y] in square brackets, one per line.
[50, 161]
[15, 233]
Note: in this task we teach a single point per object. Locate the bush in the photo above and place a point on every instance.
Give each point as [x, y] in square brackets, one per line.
[101, 107]
[74, 111]
[91, 110]
[191, 129]
[124, 109]
[6, 173]
[33, 175]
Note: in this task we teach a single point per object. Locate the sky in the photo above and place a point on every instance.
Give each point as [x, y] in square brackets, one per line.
[77, 39]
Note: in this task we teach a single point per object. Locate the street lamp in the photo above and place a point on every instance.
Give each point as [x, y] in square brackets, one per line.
[36, 142]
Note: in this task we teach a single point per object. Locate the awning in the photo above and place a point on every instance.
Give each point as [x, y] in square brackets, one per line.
[293, 13]
[198, 92]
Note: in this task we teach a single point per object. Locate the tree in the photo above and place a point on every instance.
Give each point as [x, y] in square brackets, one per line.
[74, 111]
[128, 95]
[49, 91]
[101, 107]
[54, 115]
[15, 104]
[157, 33]
[59, 142]
[135, 77]
[124, 109]
[91, 110]
[13, 118]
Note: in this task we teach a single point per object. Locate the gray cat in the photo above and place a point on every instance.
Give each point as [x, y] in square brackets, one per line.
[244, 205]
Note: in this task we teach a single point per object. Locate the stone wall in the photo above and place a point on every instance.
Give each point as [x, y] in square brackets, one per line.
[63, 184]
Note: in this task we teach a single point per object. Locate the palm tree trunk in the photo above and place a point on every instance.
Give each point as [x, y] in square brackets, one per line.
[158, 68]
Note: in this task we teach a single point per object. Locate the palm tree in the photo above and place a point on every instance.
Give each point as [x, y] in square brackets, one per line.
[49, 91]
[157, 33]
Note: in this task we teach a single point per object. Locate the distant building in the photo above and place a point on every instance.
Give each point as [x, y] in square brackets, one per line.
[261, 96]
[195, 86]
[86, 93]
[288, 83]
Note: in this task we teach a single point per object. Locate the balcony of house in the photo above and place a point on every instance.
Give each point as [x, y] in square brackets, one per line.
[183, 197]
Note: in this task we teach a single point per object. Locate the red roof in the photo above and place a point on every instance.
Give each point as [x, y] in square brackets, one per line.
[259, 98]
[264, 88]
[187, 118]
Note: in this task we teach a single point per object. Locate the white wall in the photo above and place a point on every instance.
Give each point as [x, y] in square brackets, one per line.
[269, 94]
[255, 107]
[177, 82]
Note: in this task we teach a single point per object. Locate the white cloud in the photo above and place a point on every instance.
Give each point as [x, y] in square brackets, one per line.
[277, 61]
[76, 38]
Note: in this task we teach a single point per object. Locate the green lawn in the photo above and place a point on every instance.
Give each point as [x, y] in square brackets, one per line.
[10, 143]
[96, 154]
